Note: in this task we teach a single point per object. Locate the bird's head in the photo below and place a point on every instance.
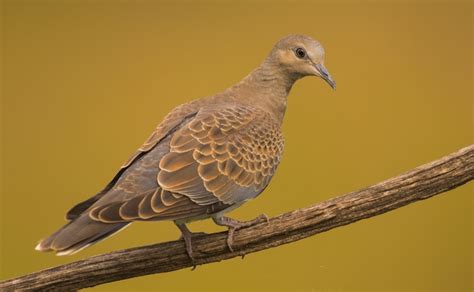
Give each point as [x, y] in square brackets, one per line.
[301, 56]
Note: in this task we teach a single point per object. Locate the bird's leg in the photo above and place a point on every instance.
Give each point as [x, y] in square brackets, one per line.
[234, 225]
[186, 235]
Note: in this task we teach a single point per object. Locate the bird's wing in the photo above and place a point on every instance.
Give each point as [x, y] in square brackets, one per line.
[226, 156]
[220, 158]
[168, 125]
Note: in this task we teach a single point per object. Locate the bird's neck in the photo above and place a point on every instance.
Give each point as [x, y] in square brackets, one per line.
[267, 87]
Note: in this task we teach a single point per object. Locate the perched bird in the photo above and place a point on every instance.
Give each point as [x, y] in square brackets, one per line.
[205, 158]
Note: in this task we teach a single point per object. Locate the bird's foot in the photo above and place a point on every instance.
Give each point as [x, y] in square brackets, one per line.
[187, 236]
[234, 225]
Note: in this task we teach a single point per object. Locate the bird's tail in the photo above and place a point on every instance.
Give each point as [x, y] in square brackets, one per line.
[78, 234]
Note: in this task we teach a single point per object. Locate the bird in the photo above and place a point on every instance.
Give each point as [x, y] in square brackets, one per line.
[206, 158]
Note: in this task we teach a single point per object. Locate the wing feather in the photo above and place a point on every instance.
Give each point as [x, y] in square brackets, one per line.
[233, 148]
[219, 157]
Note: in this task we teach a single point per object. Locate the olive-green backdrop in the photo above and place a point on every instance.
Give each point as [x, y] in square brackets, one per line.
[85, 82]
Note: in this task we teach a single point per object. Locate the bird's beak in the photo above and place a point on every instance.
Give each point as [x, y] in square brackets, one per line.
[324, 73]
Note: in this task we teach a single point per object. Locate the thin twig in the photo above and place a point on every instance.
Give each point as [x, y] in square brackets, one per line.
[420, 183]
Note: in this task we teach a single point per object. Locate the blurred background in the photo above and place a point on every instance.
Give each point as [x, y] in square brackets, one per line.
[85, 82]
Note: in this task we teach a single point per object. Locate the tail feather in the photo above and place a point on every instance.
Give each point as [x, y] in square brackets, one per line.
[78, 234]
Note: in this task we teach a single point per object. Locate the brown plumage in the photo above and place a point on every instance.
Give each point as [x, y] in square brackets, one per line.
[205, 158]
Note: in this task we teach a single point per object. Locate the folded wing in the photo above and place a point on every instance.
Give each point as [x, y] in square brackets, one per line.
[219, 158]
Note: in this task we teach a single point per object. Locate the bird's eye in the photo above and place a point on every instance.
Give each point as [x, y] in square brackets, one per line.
[300, 53]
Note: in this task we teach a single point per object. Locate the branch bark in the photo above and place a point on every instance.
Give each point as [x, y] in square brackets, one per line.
[420, 183]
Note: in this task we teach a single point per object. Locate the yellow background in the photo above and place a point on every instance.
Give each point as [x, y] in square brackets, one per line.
[85, 82]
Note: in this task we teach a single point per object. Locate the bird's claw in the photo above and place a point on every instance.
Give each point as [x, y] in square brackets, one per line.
[230, 238]
[234, 225]
[187, 236]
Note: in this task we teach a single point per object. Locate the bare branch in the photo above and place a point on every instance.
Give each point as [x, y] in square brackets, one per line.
[420, 183]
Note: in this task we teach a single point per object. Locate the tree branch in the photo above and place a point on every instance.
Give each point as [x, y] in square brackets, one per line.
[420, 183]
